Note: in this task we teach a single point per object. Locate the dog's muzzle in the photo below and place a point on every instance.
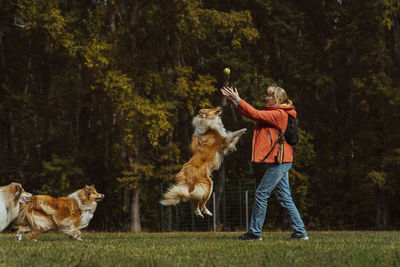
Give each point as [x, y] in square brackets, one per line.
[25, 198]
[100, 198]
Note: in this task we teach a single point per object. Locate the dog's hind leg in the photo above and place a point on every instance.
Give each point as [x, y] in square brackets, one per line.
[197, 209]
[41, 225]
[206, 197]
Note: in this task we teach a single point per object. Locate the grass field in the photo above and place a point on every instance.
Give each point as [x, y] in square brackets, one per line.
[203, 249]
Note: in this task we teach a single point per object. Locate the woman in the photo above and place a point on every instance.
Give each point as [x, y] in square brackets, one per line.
[278, 158]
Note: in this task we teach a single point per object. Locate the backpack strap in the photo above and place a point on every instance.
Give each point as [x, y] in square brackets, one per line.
[270, 137]
[281, 151]
[280, 140]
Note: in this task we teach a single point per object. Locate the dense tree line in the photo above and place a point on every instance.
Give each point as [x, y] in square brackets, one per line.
[103, 92]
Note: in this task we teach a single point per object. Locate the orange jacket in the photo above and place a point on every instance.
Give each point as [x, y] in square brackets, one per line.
[265, 132]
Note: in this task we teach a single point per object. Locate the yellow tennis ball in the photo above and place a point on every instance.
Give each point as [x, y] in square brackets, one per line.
[227, 71]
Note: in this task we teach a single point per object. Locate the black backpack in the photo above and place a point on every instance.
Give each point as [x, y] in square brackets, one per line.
[291, 134]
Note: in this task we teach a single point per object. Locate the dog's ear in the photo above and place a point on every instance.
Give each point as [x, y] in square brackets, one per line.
[17, 189]
[88, 189]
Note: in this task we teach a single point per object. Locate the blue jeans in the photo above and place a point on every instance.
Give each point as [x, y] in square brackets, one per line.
[276, 175]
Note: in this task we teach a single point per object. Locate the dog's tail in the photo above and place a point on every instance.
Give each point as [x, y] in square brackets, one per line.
[34, 216]
[175, 194]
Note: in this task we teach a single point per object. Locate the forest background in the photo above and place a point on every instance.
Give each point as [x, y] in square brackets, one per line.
[103, 92]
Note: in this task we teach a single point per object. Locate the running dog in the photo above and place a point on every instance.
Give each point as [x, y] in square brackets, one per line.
[11, 197]
[210, 144]
[65, 214]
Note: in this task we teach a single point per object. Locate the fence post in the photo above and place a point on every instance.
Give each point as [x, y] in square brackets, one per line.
[240, 204]
[247, 209]
[162, 209]
[177, 218]
[215, 214]
[224, 205]
[192, 215]
[208, 223]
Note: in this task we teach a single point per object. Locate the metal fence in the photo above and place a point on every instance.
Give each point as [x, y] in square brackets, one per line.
[231, 209]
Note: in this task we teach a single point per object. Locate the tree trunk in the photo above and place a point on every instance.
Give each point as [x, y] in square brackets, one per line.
[4, 68]
[349, 118]
[126, 207]
[382, 210]
[135, 210]
[219, 182]
[135, 201]
[396, 35]
[219, 185]
[106, 130]
[24, 141]
[168, 219]
[12, 147]
[168, 210]
[78, 107]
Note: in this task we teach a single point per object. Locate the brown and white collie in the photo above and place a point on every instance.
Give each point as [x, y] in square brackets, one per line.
[210, 144]
[65, 214]
[11, 197]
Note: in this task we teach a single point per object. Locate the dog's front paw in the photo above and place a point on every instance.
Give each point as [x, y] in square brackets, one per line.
[242, 131]
[232, 148]
[19, 236]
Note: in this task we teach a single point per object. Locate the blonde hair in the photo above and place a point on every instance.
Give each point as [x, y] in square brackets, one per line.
[279, 94]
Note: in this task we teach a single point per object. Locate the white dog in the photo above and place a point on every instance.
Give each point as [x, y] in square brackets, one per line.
[11, 197]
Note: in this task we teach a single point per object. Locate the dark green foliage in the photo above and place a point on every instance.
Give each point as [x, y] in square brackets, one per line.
[103, 92]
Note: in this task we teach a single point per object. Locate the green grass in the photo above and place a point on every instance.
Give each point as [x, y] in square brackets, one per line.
[203, 249]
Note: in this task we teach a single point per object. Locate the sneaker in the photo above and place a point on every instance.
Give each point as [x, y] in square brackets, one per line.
[249, 237]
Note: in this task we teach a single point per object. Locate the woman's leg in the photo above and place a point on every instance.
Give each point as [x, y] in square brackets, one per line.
[271, 178]
[286, 201]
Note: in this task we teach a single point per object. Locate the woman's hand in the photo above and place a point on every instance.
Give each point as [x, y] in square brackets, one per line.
[230, 93]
